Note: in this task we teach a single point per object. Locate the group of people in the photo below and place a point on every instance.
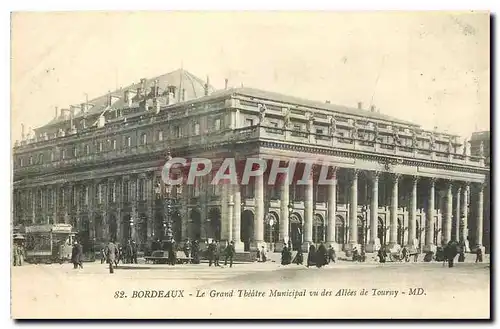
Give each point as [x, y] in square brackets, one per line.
[127, 253]
[77, 255]
[318, 257]
[18, 254]
[215, 250]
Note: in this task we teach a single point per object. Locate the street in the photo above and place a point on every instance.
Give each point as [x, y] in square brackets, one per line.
[259, 290]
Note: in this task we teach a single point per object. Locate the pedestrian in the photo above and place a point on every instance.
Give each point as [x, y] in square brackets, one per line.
[217, 253]
[479, 254]
[229, 254]
[321, 256]
[311, 256]
[79, 254]
[404, 253]
[381, 255]
[195, 252]
[111, 252]
[103, 256]
[15, 254]
[74, 252]
[258, 255]
[187, 248]
[286, 255]
[211, 253]
[263, 255]
[133, 246]
[331, 254]
[299, 258]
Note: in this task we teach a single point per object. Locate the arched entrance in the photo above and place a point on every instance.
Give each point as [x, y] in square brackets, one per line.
[401, 235]
[113, 228]
[247, 228]
[381, 231]
[214, 223]
[84, 232]
[142, 230]
[158, 227]
[195, 225]
[318, 229]
[271, 234]
[340, 231]
[296, 231]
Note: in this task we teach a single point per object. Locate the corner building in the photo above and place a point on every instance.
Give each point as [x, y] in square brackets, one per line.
[97, 166]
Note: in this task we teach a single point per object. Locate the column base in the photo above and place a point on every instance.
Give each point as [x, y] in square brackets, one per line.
[278, 246]
[239, 246]
[257, 245]
[430, 248]
[373, 246]
[349, 247]
[393, 247]
[306, 245]
[334, 244]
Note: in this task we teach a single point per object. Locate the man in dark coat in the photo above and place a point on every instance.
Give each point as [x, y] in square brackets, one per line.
[217, 253]
[195, 252]
[187, 248]
[321, 256]
[286, 255]
[311, 256]
[211, 253]
[381, 254]
[479, 255]
[133, 246]
[230, 252]
[299, 258]
[77, 255]
[331, 254]
[111, 251]
[450, 251]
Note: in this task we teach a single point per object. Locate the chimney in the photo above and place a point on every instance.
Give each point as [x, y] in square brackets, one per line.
[360, 105]
[225, 83]
[206, 86]
[372, 108]
[57, 112]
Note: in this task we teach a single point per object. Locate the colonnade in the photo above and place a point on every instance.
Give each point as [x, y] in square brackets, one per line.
[458, 212]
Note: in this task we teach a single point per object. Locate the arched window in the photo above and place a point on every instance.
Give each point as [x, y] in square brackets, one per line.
[144, 139]
[52, 156]
[75, 151]
[196, 128]
[30, 160]
[86, 150]
[113, 144]
[159, 135]
[21, 162]
[40, 159]
[127, 141]
[271, 228]
[318, 229]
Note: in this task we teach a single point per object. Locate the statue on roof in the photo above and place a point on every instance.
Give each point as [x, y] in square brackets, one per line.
[310, 121]
[395, 134]
[333, 126]
[466, 149]
[354, 131]
[450, 145]
[287, 120]
[481, 149]
[262, 113]
[432, 141]
[414, 140]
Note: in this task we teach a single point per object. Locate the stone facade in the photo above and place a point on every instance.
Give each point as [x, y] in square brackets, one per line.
[395, 183]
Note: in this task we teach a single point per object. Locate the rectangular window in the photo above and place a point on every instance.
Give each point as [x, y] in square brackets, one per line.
[217, 124]
[100, 193]
[297, 127]
[177, 132]
[112, 193]
[113, 144]
[248, 122]
[142, 194]
[159, 136]
[73, 195]
[319, 131]
[273, 124]
[196, 129]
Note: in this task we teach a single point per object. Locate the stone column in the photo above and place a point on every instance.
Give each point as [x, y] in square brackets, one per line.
[457, 213]
[374, 244]
[464, 230]
[224, 216]
[393, 234]
[284, 215]
[258, 238]
[230, 212]
[308, 214]
[332, 211]
[412, 223]
[479, 224]
[449, 213]
[429, 227]
[238, 245]
[353, 213]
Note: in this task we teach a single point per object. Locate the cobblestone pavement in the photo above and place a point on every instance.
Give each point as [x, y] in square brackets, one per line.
[55, 291]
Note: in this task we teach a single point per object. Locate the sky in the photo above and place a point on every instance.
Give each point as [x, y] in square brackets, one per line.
[430, 68]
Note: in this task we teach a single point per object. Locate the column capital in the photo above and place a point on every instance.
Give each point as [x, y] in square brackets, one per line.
[354, 173]
[395, 177]
[415, 179]
[374, 175]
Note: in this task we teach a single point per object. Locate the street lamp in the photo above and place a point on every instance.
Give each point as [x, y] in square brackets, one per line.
[271, 223]
[290, 211]
[364, 210]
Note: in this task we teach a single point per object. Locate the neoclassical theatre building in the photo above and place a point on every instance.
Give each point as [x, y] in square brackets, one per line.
[97, 166]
